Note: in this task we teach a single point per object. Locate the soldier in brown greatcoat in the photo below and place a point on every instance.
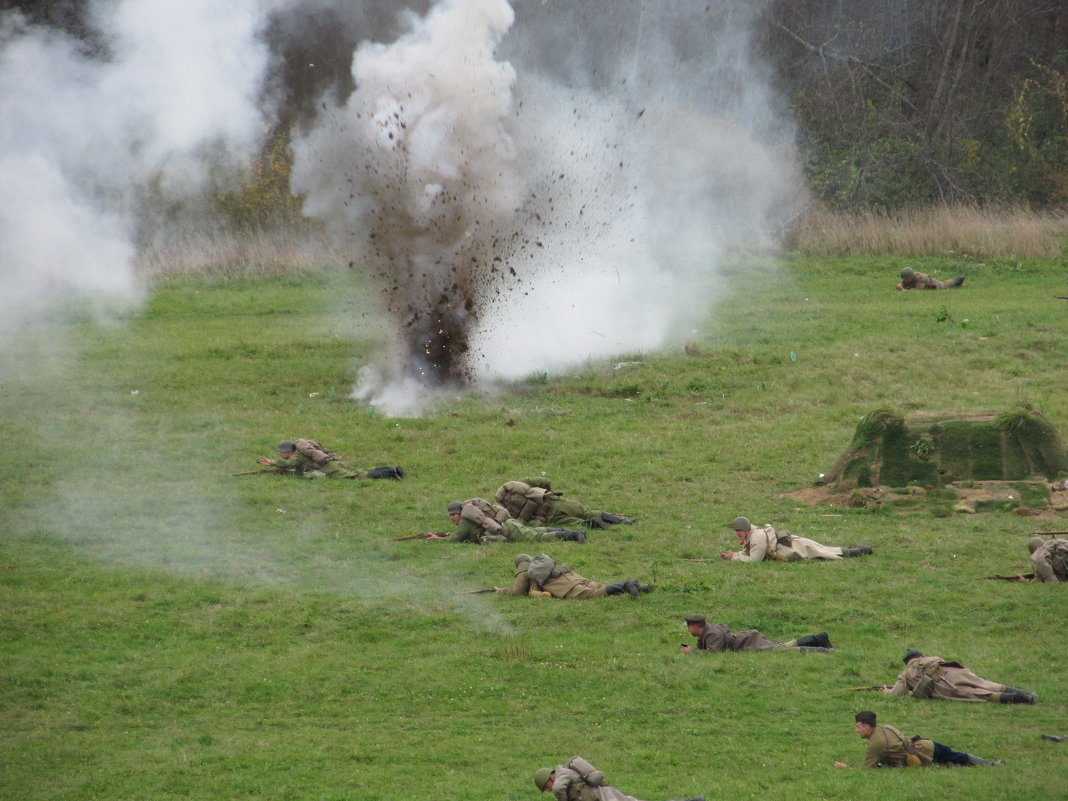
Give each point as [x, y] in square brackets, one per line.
[540, 506]
[560, 581]
[1050, 558]
[910, 279]
[713, 637]
[933, 677]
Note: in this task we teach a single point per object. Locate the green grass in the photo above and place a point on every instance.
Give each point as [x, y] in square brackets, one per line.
[170, 631]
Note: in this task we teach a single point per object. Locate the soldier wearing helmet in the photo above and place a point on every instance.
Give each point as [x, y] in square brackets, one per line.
[910, 279]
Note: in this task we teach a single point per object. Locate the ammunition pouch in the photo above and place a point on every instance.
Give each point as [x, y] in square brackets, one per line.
[924, 688]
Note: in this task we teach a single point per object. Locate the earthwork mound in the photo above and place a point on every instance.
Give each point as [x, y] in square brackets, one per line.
[944, 462]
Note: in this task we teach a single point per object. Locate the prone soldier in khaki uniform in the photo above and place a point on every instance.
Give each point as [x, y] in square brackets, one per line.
[764, 543]
[888, 748]
[1050, 558]
[910, 279]
[477, 520]
[547, 579]
[539, 505]
[933, 677]
[578, 780]
[308, 459]
[716, 637]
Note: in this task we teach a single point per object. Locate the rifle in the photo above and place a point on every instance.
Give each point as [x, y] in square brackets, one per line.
[879, 687]
[428, 536]
[1017, 577]
[257, 472]
[1049, 533]
[698, 560]
[476, 592]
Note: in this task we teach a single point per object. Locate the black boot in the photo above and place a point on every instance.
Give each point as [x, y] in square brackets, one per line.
[386, 472]
[813, 641]
[975, 760]
[632, 587]
[595, 522]
[645, 587]
[822, 640]
[861, 550]
[1017, 698]
[808, 649]
[571, 536]
[613, 519]
[618, 588]
[957, 281]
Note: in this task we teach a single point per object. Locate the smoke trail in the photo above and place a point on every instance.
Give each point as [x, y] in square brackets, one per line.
[568, 203]
[148, 100]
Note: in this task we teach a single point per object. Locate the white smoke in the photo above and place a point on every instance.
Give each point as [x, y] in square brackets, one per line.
[567, 204]
[87, 128]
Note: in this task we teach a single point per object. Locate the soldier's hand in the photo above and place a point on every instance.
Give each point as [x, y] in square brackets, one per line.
[686, 648]
[264, 461]
[727, 555]
[841, 765]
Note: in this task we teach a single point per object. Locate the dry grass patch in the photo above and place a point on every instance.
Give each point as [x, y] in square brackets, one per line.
[960, 231]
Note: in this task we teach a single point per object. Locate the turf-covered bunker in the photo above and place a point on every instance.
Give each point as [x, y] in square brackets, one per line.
[964, 462]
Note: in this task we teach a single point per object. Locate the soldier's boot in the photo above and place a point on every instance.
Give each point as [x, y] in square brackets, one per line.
[820, 640]
[861, 550]
[614, 519]
[632, 587]
[645, 587]
[595, 522]
[571, 536]
[1055, 738]
[811, 649]
[1017, 697]
[977, 760]
[957, 281]
[618, 588]
[386, 472]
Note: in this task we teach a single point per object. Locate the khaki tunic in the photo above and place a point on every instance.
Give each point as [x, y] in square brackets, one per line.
[301, 465]
[951, 681]
[761, 544]
[567, 585]
[716, 637]
[570, 786]
[542, 507]
[468, 530]
[924, 281]
[1051, 561]
[887, 749]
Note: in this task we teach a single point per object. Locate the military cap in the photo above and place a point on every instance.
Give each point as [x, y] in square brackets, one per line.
[455, 507]
[911, 654]
[1035, 543]
[541, 777]
[286, 445]
[907, 272]
[741, 524]
[694, 619]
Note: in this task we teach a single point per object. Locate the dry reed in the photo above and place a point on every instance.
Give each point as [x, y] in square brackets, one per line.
[965, 232]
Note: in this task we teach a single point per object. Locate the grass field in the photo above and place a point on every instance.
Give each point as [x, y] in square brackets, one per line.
[168, 630]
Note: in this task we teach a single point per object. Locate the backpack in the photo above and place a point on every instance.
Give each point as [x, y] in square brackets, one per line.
[541, 569]
[314, 451]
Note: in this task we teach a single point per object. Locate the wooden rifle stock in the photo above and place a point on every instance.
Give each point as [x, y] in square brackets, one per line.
[428, 535]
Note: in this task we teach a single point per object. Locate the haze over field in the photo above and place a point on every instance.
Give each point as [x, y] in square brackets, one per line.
[526, 198]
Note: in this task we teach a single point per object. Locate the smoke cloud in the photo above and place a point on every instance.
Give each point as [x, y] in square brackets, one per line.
[529, 198]
[147, 101]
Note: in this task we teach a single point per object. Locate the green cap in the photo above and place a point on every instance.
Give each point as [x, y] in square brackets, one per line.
[455, 507]
[1035, 543]
[286, 446]
[907, 272]
[541, 777]
[741, 524]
